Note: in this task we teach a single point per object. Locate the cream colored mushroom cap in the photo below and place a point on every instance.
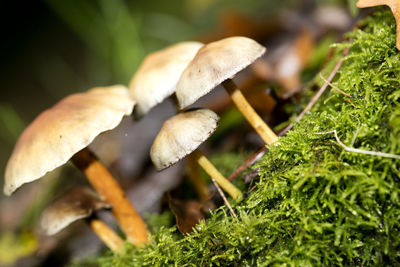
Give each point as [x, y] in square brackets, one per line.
[181, 135]
[76, 204]
[157, 76]
[63, 130]
[213, 64]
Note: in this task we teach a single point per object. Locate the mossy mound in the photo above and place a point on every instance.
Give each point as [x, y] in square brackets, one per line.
[315, 204]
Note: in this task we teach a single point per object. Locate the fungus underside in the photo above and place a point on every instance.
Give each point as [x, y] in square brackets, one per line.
[315, 203]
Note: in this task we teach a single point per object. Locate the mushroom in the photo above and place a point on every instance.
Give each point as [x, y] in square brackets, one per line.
[156, 80]
[63, 132]
[217, 63]
[157, 76]
[180, 136]
[79, 203]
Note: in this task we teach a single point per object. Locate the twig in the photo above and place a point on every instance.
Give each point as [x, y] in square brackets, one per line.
[251, 189]
[333, 86]
[318, 94]
[249, 161]
[361, 151]
[224, 198]
[349, 101]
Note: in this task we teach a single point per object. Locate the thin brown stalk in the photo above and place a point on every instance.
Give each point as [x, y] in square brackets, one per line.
[251, 189]
[224, 198]
[333, 86]
[249, 161]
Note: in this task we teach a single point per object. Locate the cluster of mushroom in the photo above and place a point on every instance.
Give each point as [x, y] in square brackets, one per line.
[191, 70]
[184, 72]
[63, 133]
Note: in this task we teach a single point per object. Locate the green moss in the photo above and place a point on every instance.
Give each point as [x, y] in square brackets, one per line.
[315, 204]
[227, 163]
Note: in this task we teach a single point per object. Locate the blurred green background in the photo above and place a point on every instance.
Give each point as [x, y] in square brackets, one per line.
[52, 48]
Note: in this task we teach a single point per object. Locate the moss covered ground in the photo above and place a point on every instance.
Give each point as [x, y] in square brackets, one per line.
[315, 204]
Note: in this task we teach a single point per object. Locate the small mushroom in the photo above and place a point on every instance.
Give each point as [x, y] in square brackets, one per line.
[63, 132]
[157, 76]
[180, 136]
[217, 63]
[79, 203]
[156, 80]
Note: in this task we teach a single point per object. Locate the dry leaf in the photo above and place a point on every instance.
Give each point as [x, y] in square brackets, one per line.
[394, 6]
[187, 213]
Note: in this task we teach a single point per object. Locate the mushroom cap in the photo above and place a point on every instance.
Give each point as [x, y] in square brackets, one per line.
[76, 204]
[63, 130]
[213, 64]
[181, 135]
[157, 76]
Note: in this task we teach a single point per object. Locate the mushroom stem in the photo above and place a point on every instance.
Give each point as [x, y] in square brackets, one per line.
[106, 234]
[210, 169]
[101, 179]
[248, 112]
[195, 176]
